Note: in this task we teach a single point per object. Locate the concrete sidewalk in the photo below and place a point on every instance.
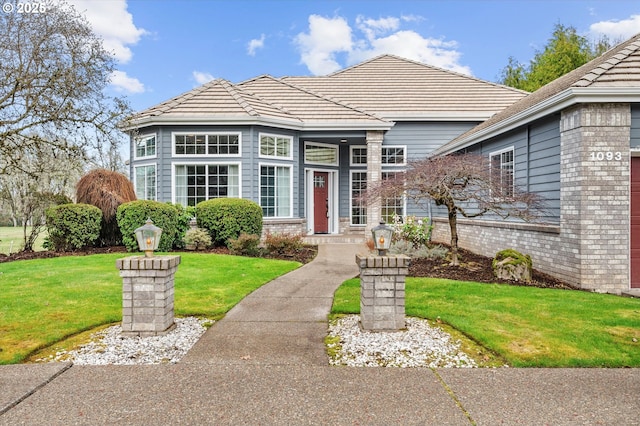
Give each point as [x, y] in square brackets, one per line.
[264, 363]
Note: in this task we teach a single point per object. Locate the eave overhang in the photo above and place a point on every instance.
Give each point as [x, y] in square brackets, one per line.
[176, 120]
[551, 105]
[438, 116]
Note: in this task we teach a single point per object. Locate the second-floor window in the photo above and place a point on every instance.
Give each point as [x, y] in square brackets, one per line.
[207, 144]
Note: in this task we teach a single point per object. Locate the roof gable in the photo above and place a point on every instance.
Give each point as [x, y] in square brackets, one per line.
[216, 100]
[398, 88]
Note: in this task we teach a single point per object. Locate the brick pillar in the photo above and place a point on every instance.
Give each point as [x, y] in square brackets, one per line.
[382, 293]
[374, 175]
[147, 294]
[595, 194]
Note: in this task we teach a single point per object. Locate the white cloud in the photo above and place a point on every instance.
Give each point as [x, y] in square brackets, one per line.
[202, 77]
[123, 83]
[329, 36]
[412, 45]
[373, 27]
[326, 37]
[255, 44]
[112, 22]
[617, 30]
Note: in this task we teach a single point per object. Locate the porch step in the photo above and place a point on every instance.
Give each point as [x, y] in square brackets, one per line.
[634, 292]
[334, 239]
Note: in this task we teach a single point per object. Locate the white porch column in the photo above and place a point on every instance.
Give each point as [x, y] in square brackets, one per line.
[374, 175]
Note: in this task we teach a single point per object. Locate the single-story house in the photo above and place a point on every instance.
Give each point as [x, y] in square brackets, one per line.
[304, 148]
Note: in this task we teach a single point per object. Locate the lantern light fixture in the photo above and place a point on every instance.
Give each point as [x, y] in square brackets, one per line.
[382, 238]
[148, 236]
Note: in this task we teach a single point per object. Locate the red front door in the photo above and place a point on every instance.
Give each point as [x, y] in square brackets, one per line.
[321, 202]
[635, 222]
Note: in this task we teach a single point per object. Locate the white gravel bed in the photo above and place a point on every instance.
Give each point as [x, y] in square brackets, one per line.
[109, 347]
[420, 345]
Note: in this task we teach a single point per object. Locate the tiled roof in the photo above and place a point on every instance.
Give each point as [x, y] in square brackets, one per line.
[366, 95]
[218, 99]
[615, 71]
[311, 108]
[398, 88]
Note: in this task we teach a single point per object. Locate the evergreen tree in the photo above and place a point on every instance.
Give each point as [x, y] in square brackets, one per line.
[565, 51]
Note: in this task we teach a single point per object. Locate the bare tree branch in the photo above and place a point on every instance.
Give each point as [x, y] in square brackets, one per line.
[53, 72]
[465, 185]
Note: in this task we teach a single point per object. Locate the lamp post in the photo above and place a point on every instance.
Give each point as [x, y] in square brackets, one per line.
[147, 286]
[148, 236]
[382, 238]
[382, 284]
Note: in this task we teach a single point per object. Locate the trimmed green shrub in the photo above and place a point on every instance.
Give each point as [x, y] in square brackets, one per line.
[283, 244]
[134, 214]
[197, 239]
[73, 226]
[245, 245]
[227, 218]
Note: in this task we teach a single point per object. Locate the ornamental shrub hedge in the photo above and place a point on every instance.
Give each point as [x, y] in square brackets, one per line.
[134, 214]
[73, 226]
[227, 218]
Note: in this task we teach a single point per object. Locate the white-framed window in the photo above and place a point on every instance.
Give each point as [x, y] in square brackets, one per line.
[358, 155]
[276, 190]
[145, 182]
[322, 154]
[194, 183]
[502, 167]
[392, 206]
[276, 146]
[358, 207]
[145, 146]
[394, 155]
[207, 144]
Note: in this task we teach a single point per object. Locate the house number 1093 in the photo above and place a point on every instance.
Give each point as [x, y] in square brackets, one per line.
[608, 156]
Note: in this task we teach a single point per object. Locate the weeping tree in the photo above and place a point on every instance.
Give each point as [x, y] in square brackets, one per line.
[466, 185]
[106, 190]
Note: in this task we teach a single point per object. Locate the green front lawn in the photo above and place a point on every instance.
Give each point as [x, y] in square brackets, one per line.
[528, 327]
[12, 239]
[45, 301]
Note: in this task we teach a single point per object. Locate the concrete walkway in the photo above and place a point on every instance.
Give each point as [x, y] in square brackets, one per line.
[264, 364]
[285, 321]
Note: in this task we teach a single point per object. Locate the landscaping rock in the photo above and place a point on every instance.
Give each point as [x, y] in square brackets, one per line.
[513, 266]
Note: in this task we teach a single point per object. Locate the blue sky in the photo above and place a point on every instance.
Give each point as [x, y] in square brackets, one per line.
[165, 47]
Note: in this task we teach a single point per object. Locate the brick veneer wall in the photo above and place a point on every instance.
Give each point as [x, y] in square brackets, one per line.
[147, 294]
[595, 193]
[284, 226]
[590, 248]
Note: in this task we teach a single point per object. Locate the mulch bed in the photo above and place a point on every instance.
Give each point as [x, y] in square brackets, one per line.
[473, 267]
[305, 255]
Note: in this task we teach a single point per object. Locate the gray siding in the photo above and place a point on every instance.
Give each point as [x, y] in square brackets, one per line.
[421, 139]
[537, 161]
[635, 126]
